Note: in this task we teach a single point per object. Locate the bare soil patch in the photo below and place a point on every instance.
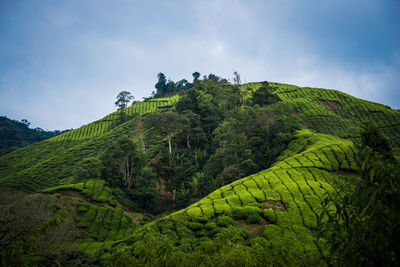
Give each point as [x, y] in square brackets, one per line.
[275, 205]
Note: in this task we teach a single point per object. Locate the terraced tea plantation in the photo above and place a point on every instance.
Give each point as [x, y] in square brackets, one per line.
[94, 189]
[100, 127]
[267, 218]
[52, 162]
[277, 207]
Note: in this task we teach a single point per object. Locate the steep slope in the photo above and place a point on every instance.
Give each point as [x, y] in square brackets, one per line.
[62, 224]
[267, 214]
[334, 112]
[15, 134]
[52, 162]
[276, 208]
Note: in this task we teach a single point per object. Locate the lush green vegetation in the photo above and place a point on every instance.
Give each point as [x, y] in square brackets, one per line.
[107, 123]
[360, 219]
[94, 189]
[15, 134]
[231, 175]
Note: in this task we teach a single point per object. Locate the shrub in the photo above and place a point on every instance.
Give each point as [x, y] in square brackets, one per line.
[254, 218]
[210, 226]
[216, 230]
[82, 208]
[195, 226]
[113, 202]
[245, 213]
[201, 233]
[200, 219]
[269, 214]
[240, 213]
[224, 221]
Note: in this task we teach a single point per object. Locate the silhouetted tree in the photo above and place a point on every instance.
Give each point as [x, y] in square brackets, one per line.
[161, 85]
[236, 77]
[123, 98]
[196, 76]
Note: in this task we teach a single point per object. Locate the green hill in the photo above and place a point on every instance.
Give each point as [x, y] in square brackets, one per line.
[241, 172]
[51, 162]
[15, 134]
[276, 209]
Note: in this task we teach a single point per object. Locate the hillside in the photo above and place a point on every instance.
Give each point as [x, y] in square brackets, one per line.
[241, 172]
[275, 209]
[51, 162]
[15, 134]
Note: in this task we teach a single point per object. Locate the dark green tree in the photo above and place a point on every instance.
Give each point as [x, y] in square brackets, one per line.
[196, 76]
[360, 220]
[123, 98]
[25, 122]
[263, 96]
[124, 161]
[161, 85]
[166, 124]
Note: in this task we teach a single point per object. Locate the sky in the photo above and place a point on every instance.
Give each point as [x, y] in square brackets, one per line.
[62, 63]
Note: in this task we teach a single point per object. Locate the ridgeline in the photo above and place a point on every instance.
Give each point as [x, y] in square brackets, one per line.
[214, 173]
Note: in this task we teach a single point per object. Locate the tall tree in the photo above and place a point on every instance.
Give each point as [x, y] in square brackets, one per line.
[123, 98]
[166, 124]
[236, 77]
[125, 160]
[263, 96]
[196, 76]
[161, 85]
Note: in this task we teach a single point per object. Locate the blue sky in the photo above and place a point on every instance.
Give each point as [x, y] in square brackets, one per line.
[62, 63]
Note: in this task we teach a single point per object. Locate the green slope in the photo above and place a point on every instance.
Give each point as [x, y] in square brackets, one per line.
[286, 196]
[104, 125]
[52, 162]
[15, 134]
[275, 209]
[334, 112]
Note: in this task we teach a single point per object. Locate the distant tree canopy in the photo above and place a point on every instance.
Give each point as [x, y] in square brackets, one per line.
[15, 134]
[123, 98]
[263, 96]
[196, 76]
[166, 87]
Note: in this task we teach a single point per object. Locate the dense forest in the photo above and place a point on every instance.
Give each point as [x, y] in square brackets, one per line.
[15, 134]
[210, 172]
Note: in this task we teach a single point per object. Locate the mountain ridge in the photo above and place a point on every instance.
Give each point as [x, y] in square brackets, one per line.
[276, 207]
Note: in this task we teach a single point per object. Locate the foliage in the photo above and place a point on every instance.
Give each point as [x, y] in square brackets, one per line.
[123, 98]
[248, 141]
[264, 96]
[224, 221]
[23, 220]
[96, 190]
[208, 153]
[361, 222]
[15, 134]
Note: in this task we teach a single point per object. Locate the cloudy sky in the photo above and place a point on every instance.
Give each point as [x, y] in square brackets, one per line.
[62, 63]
